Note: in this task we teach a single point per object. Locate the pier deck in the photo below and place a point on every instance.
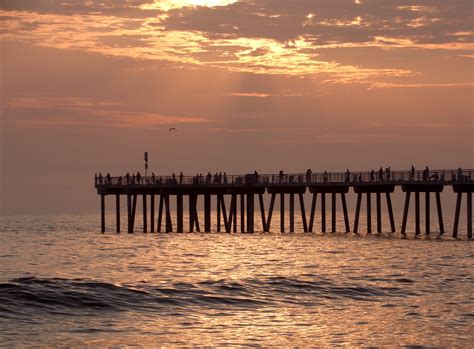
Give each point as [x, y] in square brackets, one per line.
[244, 189]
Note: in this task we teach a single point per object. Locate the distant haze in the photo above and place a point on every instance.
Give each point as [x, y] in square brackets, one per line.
[249, 85]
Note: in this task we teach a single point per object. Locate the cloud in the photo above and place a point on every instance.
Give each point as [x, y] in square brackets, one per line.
[274, 37]
[331, 22]
[112, 36]
[383, 85]
[122, 8]
[68, 111]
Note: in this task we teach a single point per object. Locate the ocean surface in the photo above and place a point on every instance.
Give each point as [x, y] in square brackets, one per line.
[64, 284]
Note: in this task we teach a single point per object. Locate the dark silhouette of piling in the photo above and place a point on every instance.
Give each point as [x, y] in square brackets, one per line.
[102, 213]
[179, 213]
[463, 187]
[145, 228]
[207, 213]
[418, 188]
[152, 213]
[117, 212]
[376, 188]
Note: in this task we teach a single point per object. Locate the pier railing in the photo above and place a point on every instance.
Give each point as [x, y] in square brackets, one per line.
[445, 177]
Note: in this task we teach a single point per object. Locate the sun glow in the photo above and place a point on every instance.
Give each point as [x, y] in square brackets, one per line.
[171, 4]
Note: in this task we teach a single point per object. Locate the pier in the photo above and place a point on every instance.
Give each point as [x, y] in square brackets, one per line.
[243, 193]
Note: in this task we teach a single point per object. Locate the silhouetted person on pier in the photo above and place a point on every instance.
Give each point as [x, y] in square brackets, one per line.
[181, 176]
[348, 176]
[372, 175]
[100, 178]
[256, 176]
[325, 179]
[153, 178]
[133, 178]
[139, 178]
[426, 173]
[225, 178]
[459, 174]
[380, 174]
[96, 179]
[280, 176]
[127, 178]
[108, 178]
[435, 177]
[412, 173]
[308, 175]
[173, 179]
[208, 178]
[387, 173]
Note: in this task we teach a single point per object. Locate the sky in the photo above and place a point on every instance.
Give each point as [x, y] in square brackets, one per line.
[88, 86]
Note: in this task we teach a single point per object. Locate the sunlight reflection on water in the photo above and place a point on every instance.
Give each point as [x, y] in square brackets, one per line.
[71, 285]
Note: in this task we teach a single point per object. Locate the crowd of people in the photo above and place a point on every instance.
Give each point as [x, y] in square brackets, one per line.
[382, 175]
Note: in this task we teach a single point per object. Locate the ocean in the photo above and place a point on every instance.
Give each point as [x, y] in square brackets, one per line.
[64, 284]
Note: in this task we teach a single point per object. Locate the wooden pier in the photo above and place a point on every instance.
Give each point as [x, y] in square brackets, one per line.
[241, 193]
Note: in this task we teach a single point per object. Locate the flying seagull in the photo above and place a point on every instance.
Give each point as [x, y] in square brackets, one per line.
[172, 129]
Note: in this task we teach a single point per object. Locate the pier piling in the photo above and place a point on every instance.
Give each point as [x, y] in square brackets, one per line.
[427, 213]
[160, 213]
[440, 213]
[417, 189]
[417, 213]
[405, 212]
[303, 213]
[207, 213]
[390, 211]
[292, 213]
[469, 215]
[218, 213]
[333, 212]
[262, 211]
[379, 213]
[242, 213]
[460, 188]
[102, 212]
[346, 215]
[282, 212]
[179, 213]
[323, 212]
[250, 213]
[313, 212]
[234, 212]
[117, 212]
[152, 213]
[369, 214]
[145, 228]
[270, 213]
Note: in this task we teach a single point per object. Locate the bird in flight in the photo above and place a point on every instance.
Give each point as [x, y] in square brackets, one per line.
[172, 129]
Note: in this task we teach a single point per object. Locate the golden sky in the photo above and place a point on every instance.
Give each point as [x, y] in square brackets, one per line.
[89, 85]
